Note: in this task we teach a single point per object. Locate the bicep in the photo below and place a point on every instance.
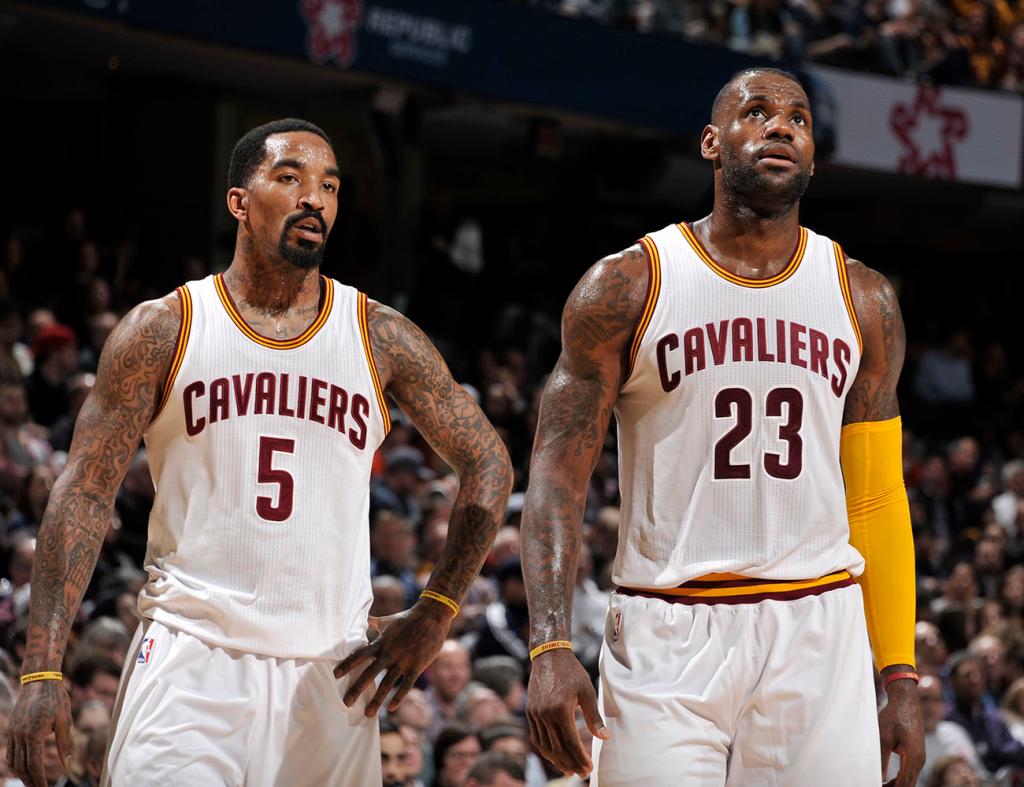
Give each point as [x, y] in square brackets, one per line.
[132, 371]
[872, 396]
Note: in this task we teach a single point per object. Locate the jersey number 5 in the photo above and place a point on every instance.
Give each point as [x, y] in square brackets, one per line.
[775, 465]
[269, 475]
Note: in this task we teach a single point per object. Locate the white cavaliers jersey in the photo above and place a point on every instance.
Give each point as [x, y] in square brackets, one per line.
[261, 453]
[730, 416]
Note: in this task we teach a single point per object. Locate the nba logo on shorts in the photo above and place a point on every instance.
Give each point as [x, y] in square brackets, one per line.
[145, 651]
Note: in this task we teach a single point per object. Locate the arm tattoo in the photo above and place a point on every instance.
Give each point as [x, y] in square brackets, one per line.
[418, 379]
[132, 371]
[598, 323]
[872, 397]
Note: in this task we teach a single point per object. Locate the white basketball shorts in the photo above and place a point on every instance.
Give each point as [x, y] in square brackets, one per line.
[775, 693]
[194, 715]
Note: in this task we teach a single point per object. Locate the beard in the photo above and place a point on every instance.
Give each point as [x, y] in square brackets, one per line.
[766, 195]
[305, 254]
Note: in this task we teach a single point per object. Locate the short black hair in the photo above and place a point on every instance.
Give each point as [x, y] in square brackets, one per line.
[489, 764]
[88, 666]
[716, 107]
[250, 151]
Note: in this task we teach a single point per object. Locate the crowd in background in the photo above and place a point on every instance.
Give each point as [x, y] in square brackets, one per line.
[959, 42]
[62, 294]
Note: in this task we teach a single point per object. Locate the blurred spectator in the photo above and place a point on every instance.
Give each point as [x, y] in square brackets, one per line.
[941, 738]
[504, 630]
[389, 596]
[995, 745]
[496, 769]
[589, 611]
[449, 674]
[393, 547]
[31, 502]
[455, 752]
[505, 676]
[94, 677]
[1006, 505]
[396, 491]
[479, 706]
[56, 359]
[100, 327]
[953, 772]
[105, 637]
[394, 758]
[63, 429]
[22, 446]
[15, 357]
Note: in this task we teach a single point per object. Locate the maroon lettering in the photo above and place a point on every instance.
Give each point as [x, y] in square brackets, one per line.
[336, 409]
[219, 410]
[762, 341]
[819, 352]
[780, 340]
[302, 397]
[724, 401]
[193, 425]
[742, 340]
[266, 387]
[243, 392]
[796, 344]
[268, 474]
[667, 343]
[360, 412]
[282, 402]
[789, 432]
[841, 354]
[693, 351]
[317, 400]
[717, 341]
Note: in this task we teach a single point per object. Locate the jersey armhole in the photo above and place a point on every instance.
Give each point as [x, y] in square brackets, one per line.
[844, 286]
[364, 330]
[185, 299]
[650, 302]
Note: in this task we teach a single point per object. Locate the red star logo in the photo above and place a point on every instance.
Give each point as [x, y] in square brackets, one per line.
[332, 29]
[926, 117]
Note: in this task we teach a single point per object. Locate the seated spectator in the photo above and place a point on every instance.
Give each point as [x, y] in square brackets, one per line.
[22, 443]
[941, 738]
[1013, 708]
[991, 736]
[929, 647]
[389, 596]
[63, 429]
[393, 551]
[100, 327]
[397, 490]
[56, 359]
[31, 502]
[94, 677]
[504, 630]
[495, 769]
[1005, 505]
[953, 772]
[589, 611]
[105, 637]
[455, 752]
[448, 675]
[413, 718]
[15, 357]
[478, 706]
[505, 676]
[394, 758]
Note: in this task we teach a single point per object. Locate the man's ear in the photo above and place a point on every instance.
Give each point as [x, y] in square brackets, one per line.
[238, 203]
[709, 143]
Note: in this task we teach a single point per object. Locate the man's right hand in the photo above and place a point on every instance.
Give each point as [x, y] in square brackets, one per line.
[558, 684]
[43, 709]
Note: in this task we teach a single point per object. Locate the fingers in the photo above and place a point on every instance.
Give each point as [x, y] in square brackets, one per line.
[391, 677]
[403, 688]
[60, 727]
[592, 714]
[357, 656]
[362, 682]
[34, 766]
[564, 746]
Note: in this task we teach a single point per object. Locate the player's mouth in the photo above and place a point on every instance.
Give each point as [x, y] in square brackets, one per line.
[309, 229]
[777, 155]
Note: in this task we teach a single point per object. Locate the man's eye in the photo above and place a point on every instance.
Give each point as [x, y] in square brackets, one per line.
[756, 111]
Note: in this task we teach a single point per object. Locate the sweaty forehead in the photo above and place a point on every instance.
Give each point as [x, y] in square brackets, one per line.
[303, 146]
[776, 88]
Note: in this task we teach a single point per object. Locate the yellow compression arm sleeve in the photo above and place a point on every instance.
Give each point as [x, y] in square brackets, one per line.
[876, 503]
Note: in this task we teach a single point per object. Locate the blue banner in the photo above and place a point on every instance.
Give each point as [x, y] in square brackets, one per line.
[494, 49]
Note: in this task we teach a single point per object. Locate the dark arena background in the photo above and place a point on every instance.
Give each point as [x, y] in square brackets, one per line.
[491, 151]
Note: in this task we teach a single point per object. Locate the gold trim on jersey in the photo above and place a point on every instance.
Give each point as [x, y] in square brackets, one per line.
[185, 298]
[276, 344]
[744, 281]
[737, 589]
[653, 292]
[844, 285]
[364, 330]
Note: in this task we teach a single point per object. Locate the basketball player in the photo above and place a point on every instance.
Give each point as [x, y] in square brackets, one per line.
[260, 394]
[743, 357]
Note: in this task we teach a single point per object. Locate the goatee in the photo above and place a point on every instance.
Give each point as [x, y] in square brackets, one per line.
[746, 185]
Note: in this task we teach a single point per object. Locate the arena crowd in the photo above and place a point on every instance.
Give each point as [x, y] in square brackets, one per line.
[62, 293]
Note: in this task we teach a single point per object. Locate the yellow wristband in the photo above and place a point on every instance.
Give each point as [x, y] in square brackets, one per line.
[452, 604]
[32, 677]
[555, 644]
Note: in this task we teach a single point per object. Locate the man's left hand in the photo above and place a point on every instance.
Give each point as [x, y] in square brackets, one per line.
[901, 728]
[405, 646]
